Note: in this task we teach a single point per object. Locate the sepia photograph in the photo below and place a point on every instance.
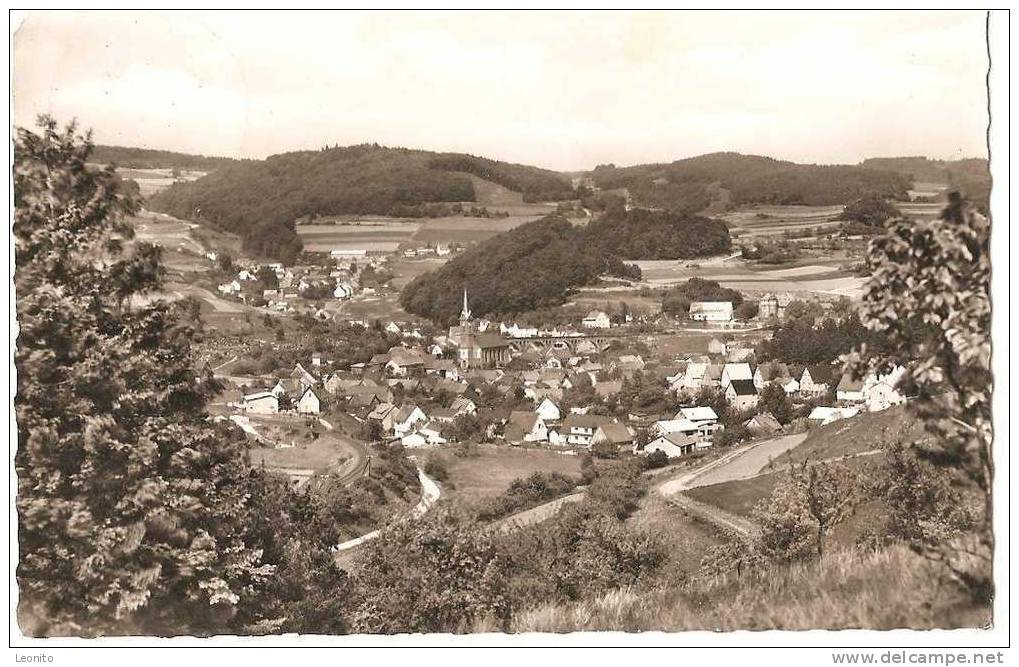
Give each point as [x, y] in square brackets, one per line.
[509, 327]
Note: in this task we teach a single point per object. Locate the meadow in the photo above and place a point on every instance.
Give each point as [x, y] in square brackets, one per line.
[819, 275]
[494, 468]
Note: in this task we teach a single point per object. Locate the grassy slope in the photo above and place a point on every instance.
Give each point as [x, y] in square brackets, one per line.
[893, 588]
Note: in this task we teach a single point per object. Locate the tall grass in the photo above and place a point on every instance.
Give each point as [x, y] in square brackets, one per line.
[892, 588]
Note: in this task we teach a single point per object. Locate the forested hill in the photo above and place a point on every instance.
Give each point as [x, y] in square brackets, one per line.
[694, 184]
[971, 176]
[150, 158]
[261, 199]
[535, 265]
[539, 264]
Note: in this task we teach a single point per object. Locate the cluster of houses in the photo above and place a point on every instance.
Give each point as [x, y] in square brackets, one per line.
[734, 371]
[414, 392]
[336, 282]
[295, 393]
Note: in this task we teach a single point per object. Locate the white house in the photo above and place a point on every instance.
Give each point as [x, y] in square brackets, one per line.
[308, 404]
[579, 429]
[850, 389]
[524, 426]
[742, 394]
[261, 403]
[881, 392]
[596, 319]
[732, 372]
[548, 410]
[673, 444]
[343, 290]
[232, 287]
[403, 419]
[711, 311]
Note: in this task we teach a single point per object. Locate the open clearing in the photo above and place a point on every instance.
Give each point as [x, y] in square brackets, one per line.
[382, 234]
[491, 472]
[309, 455]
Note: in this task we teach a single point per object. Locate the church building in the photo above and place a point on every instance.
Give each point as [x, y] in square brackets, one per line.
[477, 349]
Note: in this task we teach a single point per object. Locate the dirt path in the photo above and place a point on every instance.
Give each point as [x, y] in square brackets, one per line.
[742, 463]
[430, 493]
[536, 514]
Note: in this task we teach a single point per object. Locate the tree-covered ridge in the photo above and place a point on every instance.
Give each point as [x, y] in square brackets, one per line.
[151, 158]
[532, 266]
[262, 199]
[644, 234]
[534, 183]
[690, 185]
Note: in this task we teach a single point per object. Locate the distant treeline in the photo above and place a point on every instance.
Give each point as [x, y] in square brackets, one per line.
[538, 265]
[264, 198]
[149, 158]
[691, 185]
[533, 183]
[971, 176]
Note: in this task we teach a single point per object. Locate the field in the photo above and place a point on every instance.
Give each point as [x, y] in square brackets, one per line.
[491, 472]
[380, 234]
[756, 221]
[817, 276]
[151, 181]
[385, 234]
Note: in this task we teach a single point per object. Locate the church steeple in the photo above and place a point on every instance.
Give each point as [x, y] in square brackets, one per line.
[465, 314]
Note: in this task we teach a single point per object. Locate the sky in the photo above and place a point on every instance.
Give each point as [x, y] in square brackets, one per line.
[564, 90]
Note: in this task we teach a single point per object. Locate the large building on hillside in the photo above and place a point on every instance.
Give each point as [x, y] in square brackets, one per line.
[477, 349]
[711, 311]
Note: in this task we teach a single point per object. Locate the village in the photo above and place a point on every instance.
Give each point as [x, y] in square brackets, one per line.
[562, 388]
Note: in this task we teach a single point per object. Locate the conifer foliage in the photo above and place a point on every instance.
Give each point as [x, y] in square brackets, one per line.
[131, 505]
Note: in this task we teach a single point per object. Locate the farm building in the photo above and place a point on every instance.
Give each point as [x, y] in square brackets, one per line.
[825, 415]
[711, 311]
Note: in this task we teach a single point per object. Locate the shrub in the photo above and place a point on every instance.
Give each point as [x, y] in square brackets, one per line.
[440, 574]
[656, 459]
[436, 467]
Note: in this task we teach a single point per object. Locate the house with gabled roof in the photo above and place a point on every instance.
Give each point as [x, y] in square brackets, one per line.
[673, 444]
[525, 426]
[735, 371]
[816, 380]
[579, 429]
[742, 394]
